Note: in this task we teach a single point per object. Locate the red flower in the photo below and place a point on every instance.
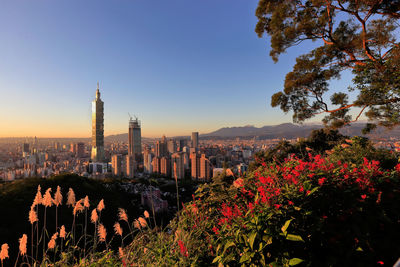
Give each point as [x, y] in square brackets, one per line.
[250, 206]
[215, 230]
[321, 181]
[378, 200]
[183, 249]
[364, 196]
[290, 203]
[277, 206]
[380, 262]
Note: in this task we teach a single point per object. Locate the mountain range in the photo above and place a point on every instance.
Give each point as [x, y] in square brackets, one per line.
[290, 131]
[284, 130]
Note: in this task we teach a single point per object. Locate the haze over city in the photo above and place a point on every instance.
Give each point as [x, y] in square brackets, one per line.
[178, 65]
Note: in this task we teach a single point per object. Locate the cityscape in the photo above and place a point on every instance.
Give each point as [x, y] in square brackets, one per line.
[177, 158]
[219, 133]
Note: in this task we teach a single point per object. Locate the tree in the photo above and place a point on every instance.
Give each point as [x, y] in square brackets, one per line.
[356, 35]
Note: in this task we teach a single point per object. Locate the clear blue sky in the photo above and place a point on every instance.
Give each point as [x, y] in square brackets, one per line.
[179, 65]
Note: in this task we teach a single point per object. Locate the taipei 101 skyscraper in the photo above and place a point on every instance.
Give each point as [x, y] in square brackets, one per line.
[97, 128]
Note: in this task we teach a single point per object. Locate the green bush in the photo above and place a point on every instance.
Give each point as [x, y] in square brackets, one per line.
[313, 212]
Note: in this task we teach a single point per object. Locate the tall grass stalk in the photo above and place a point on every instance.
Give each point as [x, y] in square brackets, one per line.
[177, 197]
[44, 232]
[84, 246]
[152, 205]
[37, 234]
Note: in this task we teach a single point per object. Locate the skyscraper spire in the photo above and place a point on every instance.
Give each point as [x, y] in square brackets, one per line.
[98, 91]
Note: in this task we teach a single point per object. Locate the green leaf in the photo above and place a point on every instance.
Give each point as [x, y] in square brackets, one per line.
[216, 259]
[294, 238]
[228, 245]
[313, 190]
[286, 225]
[295, 261]
[245, 257]
[252, 238]
[267, 239]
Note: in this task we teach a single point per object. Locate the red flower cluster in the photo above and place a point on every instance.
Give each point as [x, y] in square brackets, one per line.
[297, 174]
[182, 248]
[229, 213]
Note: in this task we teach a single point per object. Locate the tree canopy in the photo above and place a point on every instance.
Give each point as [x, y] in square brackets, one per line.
[356, 35]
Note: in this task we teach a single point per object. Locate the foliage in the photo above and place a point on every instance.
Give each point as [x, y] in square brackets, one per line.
[354, 151]
[354, 35]
[318, 142]
[314, 211]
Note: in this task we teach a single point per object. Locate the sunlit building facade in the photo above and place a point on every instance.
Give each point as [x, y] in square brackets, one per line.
[195, 139]
[97, 154]
[178, 166]
[134, 138]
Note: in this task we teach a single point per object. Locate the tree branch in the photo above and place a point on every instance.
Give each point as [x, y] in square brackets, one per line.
[335, 110]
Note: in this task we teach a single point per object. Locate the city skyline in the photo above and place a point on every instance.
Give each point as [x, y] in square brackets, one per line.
[216, 71]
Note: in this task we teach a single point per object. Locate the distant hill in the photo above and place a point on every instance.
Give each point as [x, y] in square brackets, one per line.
[290, 130]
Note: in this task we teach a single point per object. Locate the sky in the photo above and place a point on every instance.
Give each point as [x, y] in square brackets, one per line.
[178, 65]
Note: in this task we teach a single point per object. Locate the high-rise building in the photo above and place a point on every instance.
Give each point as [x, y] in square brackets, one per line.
[130, 166]
[178, 166]
[134, 138]
[195, 139]
[165, 166]
[156, 164]
[205, 168]
[161, 147]
[57, 146]
[195, 165]
[97, 128]
[80, 151]
[116, 164]
[181, 144]
[171, 145]
[147, 157]
[25, 148]
[35, 146]
[186, 160]
[201, 167]
[73, 148]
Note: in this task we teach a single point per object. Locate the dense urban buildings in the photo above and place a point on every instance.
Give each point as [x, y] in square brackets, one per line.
[175, 158]
[98, 128]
